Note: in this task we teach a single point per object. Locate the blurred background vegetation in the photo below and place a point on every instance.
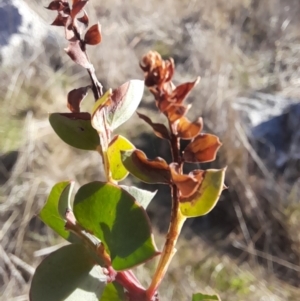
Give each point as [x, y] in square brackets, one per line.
[248, 248]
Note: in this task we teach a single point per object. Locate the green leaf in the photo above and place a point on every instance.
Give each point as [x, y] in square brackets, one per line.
[201, 297]
[118, 144]
[113, 216]
[64, 202]
[113, 292]
[53, 212]
[125, 101]
[206, 196]
[149, 171]
[68, 274]
[75, 129]
[143, 197]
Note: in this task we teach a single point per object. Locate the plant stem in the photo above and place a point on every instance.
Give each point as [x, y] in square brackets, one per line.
[105, 161]
[128, 280]
[175, 147]
[96, 85]
[177, 221]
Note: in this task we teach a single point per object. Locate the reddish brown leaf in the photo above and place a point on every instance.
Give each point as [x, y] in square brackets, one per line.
[160, 130]
[84, 19]
[77, 7]
[149, 171]
[176, 112]
[93, 35]
[187, 129]
[182, 91]
[187, 184]
[155, 164]
[75, 97]
[202, 149]
[157, 71]
[150, 61]
[161, 102]
[67, 10]
[77, 55]
[55, 5]
[60, 21]
[170, 65]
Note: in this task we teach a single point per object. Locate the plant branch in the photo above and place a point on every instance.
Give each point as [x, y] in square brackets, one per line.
[96, 85]
[105, 161]
[176, 223]
[136, 292]
[97, 88]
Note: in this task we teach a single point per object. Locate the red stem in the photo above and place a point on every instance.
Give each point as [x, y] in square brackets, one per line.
[135, 291]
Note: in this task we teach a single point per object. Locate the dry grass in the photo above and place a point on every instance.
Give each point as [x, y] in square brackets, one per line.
[236, 46]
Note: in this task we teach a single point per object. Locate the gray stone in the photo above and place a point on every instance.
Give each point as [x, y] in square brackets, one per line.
[24, 35]
[259, 107]
[273, 125]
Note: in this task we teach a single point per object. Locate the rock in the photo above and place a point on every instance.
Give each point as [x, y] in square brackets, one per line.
[273, 124]
[259, 107]
[24, 35]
